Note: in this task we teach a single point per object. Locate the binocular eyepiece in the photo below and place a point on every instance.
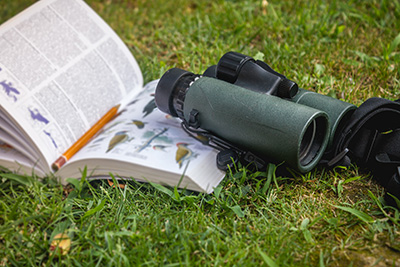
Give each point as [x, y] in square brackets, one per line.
[171, 91]
[249, 105]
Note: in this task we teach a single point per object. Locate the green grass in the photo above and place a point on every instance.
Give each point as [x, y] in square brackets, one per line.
[347, 49]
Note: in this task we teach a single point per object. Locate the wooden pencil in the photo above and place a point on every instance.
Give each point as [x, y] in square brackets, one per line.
[85, 138]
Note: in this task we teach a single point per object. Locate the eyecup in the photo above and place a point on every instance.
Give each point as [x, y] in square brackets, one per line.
[165, 90]
[229, 65]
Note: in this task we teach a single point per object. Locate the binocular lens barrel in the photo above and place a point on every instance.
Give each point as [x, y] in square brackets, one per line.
[337, 110]
[307, 141]
[312, 140]
[269, 126]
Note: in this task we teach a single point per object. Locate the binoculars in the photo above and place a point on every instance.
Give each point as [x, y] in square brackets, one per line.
[246, 105]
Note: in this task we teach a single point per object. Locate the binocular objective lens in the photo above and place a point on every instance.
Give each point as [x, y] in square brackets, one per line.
[312, 141]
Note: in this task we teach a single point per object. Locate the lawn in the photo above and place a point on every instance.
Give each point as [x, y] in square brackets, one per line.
[329, 217]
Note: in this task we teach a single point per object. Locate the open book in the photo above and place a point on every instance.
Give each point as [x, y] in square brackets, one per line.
[61, 69]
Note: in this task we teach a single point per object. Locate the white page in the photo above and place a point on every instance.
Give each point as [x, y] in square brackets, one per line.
[61, 69]
[15, 161]
[9, 128]
[10, 140]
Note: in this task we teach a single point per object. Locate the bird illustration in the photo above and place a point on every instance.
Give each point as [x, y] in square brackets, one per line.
[109, 129]
[139, 124]
[183, 153]
[151, 139]
[119, 138]
[132, 102]
[97, 140]
[159, 147]
[203, 139]
[9, 89]
[35, 115]
[149, 107]
[51, 138]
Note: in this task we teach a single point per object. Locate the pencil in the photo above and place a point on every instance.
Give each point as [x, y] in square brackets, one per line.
[85, 138]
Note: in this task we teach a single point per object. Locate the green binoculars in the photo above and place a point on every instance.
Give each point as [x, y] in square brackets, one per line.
[244, 102]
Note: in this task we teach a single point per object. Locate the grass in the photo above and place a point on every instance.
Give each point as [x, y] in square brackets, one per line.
[347, 49]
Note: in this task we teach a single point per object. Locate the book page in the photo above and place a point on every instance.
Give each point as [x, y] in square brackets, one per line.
[14, 141]
[13, 160]
[61, 69]
[148, 145]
